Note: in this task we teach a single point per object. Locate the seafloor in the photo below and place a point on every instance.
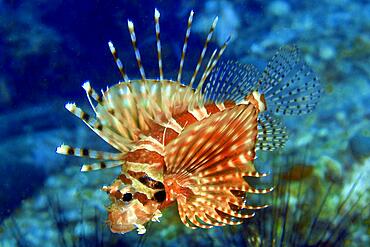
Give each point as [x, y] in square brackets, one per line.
[49, 48]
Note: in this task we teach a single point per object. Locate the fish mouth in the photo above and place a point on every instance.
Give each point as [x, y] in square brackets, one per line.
[117, 222]
[124, 218]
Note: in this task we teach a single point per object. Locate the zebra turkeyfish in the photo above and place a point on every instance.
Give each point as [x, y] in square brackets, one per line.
[192, 143]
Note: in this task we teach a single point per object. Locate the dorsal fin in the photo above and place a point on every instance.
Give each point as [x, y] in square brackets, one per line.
[185, 46]
[118, 61]
[117, 140]
[211, 158]
[132, 106]
[230, 80]
[158, 39]
[211, 64]
[131, 29]
[202, 54]
[91, 93]
[289, 85]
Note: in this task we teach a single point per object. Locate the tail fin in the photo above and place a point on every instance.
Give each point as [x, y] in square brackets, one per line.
[289, 85]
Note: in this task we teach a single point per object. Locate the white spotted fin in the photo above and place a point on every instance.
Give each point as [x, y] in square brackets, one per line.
[210, 159]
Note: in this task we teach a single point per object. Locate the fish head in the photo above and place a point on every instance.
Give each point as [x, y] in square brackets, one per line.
[129, 209]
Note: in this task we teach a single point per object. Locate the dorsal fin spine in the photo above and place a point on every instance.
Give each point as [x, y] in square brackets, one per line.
[202, 54]
[185, 45]
[202, 80]
[91, 93]
[157, 35]
[131, 29]
[117, 61]
[213, 64]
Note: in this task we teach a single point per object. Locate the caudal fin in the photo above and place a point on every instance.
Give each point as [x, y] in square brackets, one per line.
[288, 83]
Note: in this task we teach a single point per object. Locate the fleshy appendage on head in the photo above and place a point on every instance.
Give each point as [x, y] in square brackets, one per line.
[129, 209]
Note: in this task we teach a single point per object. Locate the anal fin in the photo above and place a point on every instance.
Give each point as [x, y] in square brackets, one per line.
[271, 133]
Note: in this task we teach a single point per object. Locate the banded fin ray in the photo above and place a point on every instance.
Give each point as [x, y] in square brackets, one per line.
[202, 54]
[132, 106]
[230, 80]
[289, 84]
[114, 139]
[158, 43]
[185, 45]
[88, 153]
[107, 159]
[129, 107]
[211, 158]
[131, 29]
[118, 62]
[272, 133]
[91, 93]
[101, 165]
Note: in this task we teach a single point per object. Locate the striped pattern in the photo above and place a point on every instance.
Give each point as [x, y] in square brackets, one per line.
[231, 81]
[220, 106]
[199, 113]
[117, 61]
[272, 133]
[88, 153]
[193, 142]
[127, 109]
[150, 144]
[139, 103]
[111, 137]
[214, 62]
[157, 36]
[290, 85]
[130, 25]
[185, 45]
[100, 165]
[91, 93]
[205, 74]
[223, 124]
[202, 54]
[211, 158]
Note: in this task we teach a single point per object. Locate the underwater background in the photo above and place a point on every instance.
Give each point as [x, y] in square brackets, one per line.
[48, 48]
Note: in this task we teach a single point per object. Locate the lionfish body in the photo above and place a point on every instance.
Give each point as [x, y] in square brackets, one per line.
[193, 145]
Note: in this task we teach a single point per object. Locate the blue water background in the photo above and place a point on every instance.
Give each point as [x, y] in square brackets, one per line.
[49, 48]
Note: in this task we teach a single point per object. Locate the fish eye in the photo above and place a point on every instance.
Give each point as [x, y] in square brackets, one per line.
[127, 197]
[160, 196]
